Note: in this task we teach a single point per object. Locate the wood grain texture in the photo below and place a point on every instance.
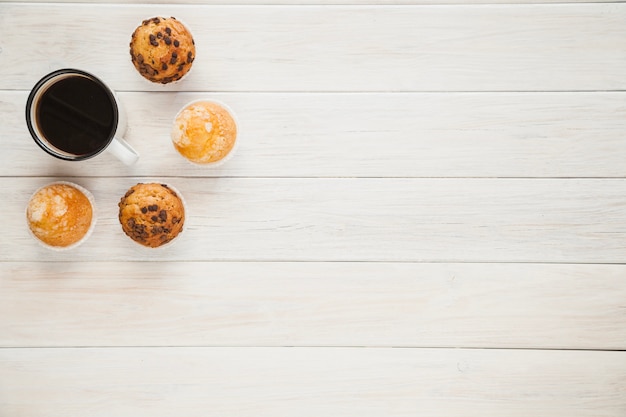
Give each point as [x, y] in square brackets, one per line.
[415, 179]
[350, 219]
[331, 2]
[361, 135]
[311, 382]
[565, 47]
[312, 304]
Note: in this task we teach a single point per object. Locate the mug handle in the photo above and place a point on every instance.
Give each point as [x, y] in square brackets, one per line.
[123, 151]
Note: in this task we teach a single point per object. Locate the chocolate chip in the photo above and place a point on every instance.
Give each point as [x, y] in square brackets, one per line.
[140, 58]
[176, 43]
[153, 207]
[163, 216]
[189, 57]
[159, 35]
[147, 69]
[154, 218]
[131, 222]
[167, 40]
[156, 230]
[164, 66]
[168, 31]
[144, 210]
[156, 20]
[164, 185]
[175, 220]
[153, 40]
[172, 60]
[180, 67]
[139, 232]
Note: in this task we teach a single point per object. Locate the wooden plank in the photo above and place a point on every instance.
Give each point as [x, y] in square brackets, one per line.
[351, 219]
[313, 304]
[564, 47]
[311, 382]
[362, 135]
[331, 2]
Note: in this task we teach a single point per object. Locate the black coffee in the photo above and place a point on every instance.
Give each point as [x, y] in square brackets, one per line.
[77, 115]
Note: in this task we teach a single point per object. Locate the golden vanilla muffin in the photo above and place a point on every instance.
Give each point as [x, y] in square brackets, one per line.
[60, 214]
[162, 49]
[204, 132]
[151, 214]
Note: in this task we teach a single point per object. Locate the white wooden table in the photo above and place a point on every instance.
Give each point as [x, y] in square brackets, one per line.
[426, 216]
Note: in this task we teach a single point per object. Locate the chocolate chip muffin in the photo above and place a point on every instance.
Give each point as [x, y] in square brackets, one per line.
[151, 214]
[162, 49]
[60, 215]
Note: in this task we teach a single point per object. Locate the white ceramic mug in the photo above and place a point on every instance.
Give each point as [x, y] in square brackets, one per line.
[73, 115]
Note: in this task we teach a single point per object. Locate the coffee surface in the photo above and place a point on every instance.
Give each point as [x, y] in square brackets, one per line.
[76, 115]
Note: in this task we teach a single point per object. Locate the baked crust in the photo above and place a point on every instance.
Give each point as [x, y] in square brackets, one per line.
[162, 49]
[204, 132]
[151, 214]
[59, 214]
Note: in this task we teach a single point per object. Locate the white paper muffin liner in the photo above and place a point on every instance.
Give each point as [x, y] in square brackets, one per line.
[233, 149]
[92, 226]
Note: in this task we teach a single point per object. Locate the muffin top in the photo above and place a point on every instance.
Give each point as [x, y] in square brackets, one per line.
[162, 49]
[204, 132]
[151, 214]
[59, 215]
